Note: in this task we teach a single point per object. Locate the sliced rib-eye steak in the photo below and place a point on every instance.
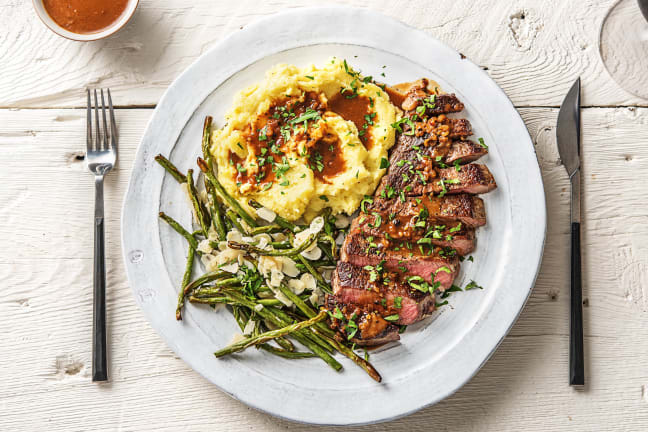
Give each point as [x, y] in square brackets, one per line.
[464, 151]
[467, 209]
[411, 221]
[381, 291]
[406, 243]
[433, 264]
[413, 160]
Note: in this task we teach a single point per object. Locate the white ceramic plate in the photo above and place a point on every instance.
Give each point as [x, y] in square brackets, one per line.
[436, 356]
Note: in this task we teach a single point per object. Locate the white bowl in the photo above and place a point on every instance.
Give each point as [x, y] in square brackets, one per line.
[84, 37]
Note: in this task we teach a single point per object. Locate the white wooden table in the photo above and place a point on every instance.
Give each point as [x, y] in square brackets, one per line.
[533, 49]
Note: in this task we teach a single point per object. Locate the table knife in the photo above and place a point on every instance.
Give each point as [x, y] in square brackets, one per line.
[568, 137]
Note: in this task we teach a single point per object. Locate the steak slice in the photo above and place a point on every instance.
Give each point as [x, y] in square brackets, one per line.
[467, 209]
[433, 264]
[464, 151]
[410, 95]
[472, 178]
[412, 157]
[381, 291]
[359, 326]
[419, 228]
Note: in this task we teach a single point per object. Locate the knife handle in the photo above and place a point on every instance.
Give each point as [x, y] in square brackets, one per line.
[576, 356]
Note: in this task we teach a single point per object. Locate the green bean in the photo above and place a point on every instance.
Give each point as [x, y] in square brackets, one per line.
[233, 217]
[318, 276]
[270, 335]
[210, 300]
[305, 337]
[275, 302]
[348, 352]
[282, 252]
[204, 167]
[283, 223]
[240, 314]
[216, 287]
[180, 230]
[171, 169]
[206, 138]
[198, 208]
[285, 353]
[265, 229]
[329, 239]
[283, 342]
[207, 277]
[302, 306]
[216, 211]
[280, 245]
[286, 319]
[185, 280]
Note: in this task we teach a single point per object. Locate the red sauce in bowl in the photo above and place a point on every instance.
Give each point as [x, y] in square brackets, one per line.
[85, 16]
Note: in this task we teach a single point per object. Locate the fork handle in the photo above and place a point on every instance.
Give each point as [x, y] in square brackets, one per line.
[99, 361]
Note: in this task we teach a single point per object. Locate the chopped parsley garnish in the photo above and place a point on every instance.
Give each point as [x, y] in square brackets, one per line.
[337, 314]
[472, 285]
[398, 125]
[482, 143]
[377, 219]
[324, 198]
[384, 163]
[310, 114]
[442, 269]
[455, 229]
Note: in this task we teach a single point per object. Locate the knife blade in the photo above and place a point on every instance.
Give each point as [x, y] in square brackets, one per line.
[568, 133]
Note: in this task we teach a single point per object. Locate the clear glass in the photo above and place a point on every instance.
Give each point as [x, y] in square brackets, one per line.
[623, 45]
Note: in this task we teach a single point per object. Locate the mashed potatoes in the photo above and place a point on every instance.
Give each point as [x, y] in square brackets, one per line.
[305, 139]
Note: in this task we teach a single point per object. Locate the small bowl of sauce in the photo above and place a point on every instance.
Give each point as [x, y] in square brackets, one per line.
[85, 20]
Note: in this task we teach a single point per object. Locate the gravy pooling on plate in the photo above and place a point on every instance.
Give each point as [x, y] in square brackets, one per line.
[85, 16]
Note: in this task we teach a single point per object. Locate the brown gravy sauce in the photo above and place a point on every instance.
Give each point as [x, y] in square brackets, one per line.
[327, 155]
[357, 110]
[265, 140]
[85, 16]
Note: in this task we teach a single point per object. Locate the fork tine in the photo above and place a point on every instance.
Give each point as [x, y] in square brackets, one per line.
[97, 128]
[113, 123]
[89, 125]
[105, 125]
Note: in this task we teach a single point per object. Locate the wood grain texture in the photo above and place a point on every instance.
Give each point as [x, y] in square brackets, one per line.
[533, 49]
[46, 307]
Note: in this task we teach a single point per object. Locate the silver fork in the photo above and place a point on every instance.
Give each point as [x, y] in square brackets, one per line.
[100, 158]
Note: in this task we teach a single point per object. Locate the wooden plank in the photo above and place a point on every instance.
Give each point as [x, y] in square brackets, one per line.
[534, 50]
[46, 307]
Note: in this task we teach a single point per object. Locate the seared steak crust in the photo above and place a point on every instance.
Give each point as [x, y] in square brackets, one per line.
[359, 326]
